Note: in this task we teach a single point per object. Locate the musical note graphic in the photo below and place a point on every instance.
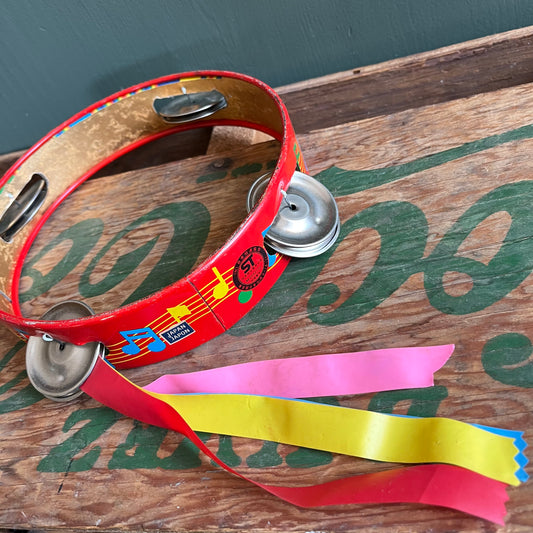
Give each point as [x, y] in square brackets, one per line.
[221, 288]
[132, 335]
[178, 312]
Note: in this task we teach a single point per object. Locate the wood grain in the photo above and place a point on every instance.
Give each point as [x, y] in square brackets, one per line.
[81, 467]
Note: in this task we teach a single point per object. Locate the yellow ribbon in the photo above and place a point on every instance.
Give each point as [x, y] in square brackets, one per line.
[376, 436]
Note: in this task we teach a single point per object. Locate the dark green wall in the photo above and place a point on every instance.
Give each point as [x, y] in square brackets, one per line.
[58, 56]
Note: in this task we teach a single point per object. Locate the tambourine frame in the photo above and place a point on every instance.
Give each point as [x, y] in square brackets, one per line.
[190, 311]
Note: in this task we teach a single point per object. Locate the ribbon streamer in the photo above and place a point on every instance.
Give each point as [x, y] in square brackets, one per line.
[317, 375]
[442, 485]
[302, 424]
[366, 434]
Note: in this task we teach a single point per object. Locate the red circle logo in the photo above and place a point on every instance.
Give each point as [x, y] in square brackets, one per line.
[250, 268]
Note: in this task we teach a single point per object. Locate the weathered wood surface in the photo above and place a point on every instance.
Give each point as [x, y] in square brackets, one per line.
[430, 178]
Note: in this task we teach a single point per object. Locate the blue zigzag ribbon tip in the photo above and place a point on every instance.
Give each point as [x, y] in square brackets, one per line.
[521, 458]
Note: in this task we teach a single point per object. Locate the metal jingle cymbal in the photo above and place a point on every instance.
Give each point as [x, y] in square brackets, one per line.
[307, 223]
[56, 369]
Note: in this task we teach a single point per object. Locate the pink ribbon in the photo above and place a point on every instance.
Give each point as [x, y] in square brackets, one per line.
[317, 375]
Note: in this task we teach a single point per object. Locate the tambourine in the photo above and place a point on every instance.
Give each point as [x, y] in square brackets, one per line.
[290, 213]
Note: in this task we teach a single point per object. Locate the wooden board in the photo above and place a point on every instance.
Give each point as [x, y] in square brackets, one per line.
[436, 247]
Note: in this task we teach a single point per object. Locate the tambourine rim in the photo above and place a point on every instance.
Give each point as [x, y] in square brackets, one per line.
[18, 320]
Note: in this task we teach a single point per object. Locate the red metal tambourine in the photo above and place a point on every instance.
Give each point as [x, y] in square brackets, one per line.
[207, 301]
